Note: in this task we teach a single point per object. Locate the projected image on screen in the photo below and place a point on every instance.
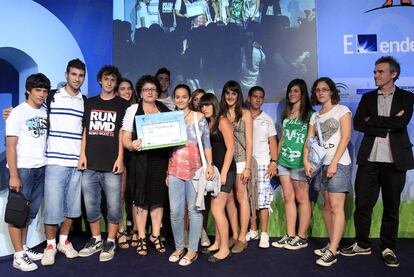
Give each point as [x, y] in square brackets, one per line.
[205, 43]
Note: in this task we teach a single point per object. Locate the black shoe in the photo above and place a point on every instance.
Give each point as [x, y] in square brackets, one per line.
[355, 250]
[389, 258]
[327, 259]
[207, 251]
[213, 259]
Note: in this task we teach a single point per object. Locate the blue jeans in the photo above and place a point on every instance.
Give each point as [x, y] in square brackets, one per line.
[62, 193]
[92, 184]
[182, 193]
[32, 180]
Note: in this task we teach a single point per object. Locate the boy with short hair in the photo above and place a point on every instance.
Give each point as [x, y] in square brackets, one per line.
[265, 153]
[101, 159]
[26, 131]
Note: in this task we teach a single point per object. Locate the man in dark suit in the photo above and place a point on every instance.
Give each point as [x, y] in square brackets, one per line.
[384, 157]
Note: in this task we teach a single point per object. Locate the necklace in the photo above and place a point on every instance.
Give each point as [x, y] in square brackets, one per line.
[187, 114]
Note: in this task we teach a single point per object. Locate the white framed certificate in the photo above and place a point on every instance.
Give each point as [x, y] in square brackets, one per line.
[195, 8]
[161, 130]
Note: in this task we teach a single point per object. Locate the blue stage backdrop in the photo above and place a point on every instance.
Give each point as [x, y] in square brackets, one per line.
[351, 36]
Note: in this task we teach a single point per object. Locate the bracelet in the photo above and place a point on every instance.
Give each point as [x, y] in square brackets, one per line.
[273, 161]
[247, 168]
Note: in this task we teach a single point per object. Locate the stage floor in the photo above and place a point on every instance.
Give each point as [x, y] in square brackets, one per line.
[253, 262]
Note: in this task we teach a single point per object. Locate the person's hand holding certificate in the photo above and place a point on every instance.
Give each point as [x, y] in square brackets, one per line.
[161, 130]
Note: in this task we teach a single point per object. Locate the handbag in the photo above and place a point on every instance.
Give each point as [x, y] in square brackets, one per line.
[17, 209]
[317, 152]
[200, 173]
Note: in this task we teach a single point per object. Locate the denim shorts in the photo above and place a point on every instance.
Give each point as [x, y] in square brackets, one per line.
[93, 182]
[32, 180]
[294, 173]
[62, 193]
[340, 182]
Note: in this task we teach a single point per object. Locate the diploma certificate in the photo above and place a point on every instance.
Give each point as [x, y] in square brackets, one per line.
[161, 130]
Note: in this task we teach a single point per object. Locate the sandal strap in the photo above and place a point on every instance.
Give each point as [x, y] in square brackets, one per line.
[159, 245]
[124, 233]
[142, 244]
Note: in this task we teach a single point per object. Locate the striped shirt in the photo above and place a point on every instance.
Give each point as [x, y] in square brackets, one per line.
[65, 129]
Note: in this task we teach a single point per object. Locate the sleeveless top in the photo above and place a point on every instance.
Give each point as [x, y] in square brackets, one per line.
[219, 151]
[239, 128]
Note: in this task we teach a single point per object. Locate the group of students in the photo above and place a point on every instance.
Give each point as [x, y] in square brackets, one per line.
[92, 145]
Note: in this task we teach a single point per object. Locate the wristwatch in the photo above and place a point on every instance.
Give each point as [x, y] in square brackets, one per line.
[273, 161]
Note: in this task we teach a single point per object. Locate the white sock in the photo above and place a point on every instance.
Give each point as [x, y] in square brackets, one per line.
[24, 247]
[62, 239]
[112, 240]
[97, 238]
[18, 254]
[52, 242]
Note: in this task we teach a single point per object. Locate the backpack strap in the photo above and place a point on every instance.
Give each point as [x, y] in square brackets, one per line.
[50, 98]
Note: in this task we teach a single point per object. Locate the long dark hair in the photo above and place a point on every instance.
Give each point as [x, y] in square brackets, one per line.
[211, 99]
[194, 94]
[305, 106]
[134, 96]
[238, 109]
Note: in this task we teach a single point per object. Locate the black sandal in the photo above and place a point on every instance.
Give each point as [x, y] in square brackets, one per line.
[158, 245]
[142, 249]
[134, 239]
[123, 244]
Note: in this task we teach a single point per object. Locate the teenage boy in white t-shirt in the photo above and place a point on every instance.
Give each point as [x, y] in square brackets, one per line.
[265, 153]
[62, 189]
[26, 130]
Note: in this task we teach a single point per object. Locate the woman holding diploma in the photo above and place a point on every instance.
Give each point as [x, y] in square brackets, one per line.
[184, 162]
[146, 170]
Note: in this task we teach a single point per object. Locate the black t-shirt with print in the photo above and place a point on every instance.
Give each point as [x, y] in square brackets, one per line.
[103, 120]
[166, 8]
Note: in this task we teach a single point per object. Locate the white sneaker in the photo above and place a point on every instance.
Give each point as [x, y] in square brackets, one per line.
[49, 255]
[107, 252]
[252, 235]
[33, 255]
[92, 246]
[24, 263]
[264, 240]
[282, 242]
[67, 249]
[205, 241]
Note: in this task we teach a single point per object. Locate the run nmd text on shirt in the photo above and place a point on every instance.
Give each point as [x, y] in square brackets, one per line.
[102, 123]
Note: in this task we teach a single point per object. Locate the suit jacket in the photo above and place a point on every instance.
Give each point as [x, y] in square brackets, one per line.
[379, 126]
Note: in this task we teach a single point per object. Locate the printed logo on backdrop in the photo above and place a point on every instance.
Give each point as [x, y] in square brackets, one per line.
[102, 123]
[368, 44]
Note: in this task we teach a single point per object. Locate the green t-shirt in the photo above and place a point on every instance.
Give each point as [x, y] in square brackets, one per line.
[294, 138]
